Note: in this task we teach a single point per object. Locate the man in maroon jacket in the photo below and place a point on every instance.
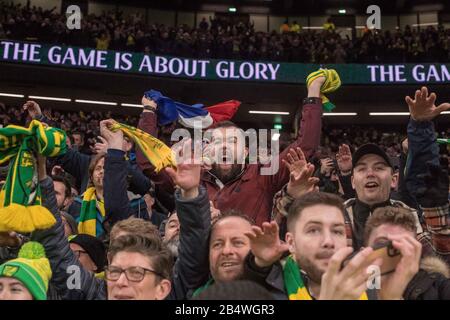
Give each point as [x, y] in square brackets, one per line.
[236, 186]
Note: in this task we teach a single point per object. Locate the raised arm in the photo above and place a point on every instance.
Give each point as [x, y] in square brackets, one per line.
[117, 204]
[422, 146]
[308, 138]
[147, 123]
[71, 280]
[191, 269]
[424, 178]
[163, 184]
[73, 162]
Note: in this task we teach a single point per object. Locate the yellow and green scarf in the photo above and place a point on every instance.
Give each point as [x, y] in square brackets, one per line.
[159, 155]
[90, 208]
[332, 83]
[20, 197]
[443, 141]
[294, 284]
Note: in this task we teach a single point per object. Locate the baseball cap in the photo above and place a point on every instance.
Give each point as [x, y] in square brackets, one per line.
[370, 148]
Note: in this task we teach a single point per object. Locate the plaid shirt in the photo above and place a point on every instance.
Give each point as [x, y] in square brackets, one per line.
[281, 203]
[422, 236]
[434, 234]
[437, 224]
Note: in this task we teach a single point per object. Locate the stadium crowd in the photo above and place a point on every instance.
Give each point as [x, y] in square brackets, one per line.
[219, 38]
[81, 191]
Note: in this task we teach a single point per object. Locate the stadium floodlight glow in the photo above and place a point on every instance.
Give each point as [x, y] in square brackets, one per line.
[342, 11]
[283, 113]
[425, 24]
[275, 136]
[337, 114]
[50, 98]
[131, 105]
[96, 102]
[232, 9]
[12, 95]
[389, 113]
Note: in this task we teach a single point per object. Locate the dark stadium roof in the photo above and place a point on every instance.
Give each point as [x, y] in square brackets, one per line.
[291, 7]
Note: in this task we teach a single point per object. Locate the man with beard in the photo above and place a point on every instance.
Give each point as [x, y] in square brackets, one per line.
[171, 233]
[317, 244]
[170, 229]
[231, 183]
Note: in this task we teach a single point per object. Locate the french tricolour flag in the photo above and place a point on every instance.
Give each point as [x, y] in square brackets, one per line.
[169, 111]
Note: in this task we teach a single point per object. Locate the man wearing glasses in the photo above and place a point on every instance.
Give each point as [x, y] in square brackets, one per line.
[140, 266]
[90, 251]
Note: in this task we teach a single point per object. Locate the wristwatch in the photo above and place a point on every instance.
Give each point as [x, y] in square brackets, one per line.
[149, 108]
[312, 100]
[39, 117]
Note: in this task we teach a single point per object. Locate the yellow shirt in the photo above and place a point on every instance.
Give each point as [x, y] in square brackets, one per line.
[102, 44]
[296, 28]
[329, 26]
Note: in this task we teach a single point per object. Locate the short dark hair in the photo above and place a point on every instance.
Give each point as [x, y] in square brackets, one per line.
[135, 226]
[396, 216]
[81, 134]
[229, 214]
[65, 182]
[160, 257]
[224, 124]
[311, 199]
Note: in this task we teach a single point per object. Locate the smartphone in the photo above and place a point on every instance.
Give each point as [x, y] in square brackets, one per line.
[389, 255]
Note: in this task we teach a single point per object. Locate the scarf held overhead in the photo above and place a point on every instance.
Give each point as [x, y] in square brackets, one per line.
[20, 197]
[155, 151]
[331, 84]
[294, 284]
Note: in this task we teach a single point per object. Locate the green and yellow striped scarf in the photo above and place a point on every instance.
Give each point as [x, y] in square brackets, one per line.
[443, 141]
[294, 284]
[88, 214]
[155, 151]
[20, 197]
[332, 83]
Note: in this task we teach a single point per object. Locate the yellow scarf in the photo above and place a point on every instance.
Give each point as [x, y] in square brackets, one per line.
[155, 151]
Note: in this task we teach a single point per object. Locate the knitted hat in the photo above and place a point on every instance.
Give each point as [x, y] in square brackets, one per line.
[32, 268]
[94, 248]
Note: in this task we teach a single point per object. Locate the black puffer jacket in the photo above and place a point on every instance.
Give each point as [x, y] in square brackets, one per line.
[7, 253]
[431, 282]
[64, 264]
[190, 271]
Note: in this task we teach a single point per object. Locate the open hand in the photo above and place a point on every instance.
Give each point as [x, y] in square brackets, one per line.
[422, 108]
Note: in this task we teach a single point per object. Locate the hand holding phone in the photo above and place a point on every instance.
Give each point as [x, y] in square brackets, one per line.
[389, 256]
